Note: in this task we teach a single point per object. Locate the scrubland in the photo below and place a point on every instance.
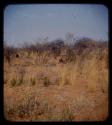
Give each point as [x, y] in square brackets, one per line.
[56, 82]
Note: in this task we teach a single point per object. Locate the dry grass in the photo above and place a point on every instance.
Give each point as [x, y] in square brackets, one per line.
[39, 88]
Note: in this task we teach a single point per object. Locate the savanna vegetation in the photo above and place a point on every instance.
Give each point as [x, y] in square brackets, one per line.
[56, 81]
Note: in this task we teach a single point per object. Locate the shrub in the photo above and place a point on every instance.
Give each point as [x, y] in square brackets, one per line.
[67, 114]
[46, 81]
[8, 52]
[33, 82]
[13, 82]
[25, 108]
[20, 80]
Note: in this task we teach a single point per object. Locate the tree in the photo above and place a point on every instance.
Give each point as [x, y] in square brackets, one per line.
[69, 38]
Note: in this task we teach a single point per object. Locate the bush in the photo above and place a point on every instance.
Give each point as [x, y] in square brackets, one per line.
[13, 82]
[67, 114]
[20, 80]
[46, 81]
[8, 52]
[33, 82]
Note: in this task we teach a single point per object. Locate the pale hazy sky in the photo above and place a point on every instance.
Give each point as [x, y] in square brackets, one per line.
[29, 22]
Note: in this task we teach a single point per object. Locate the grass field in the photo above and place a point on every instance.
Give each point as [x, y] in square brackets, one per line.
[39, 86]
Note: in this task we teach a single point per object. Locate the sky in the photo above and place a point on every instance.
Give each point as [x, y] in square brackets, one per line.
[31, 22]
